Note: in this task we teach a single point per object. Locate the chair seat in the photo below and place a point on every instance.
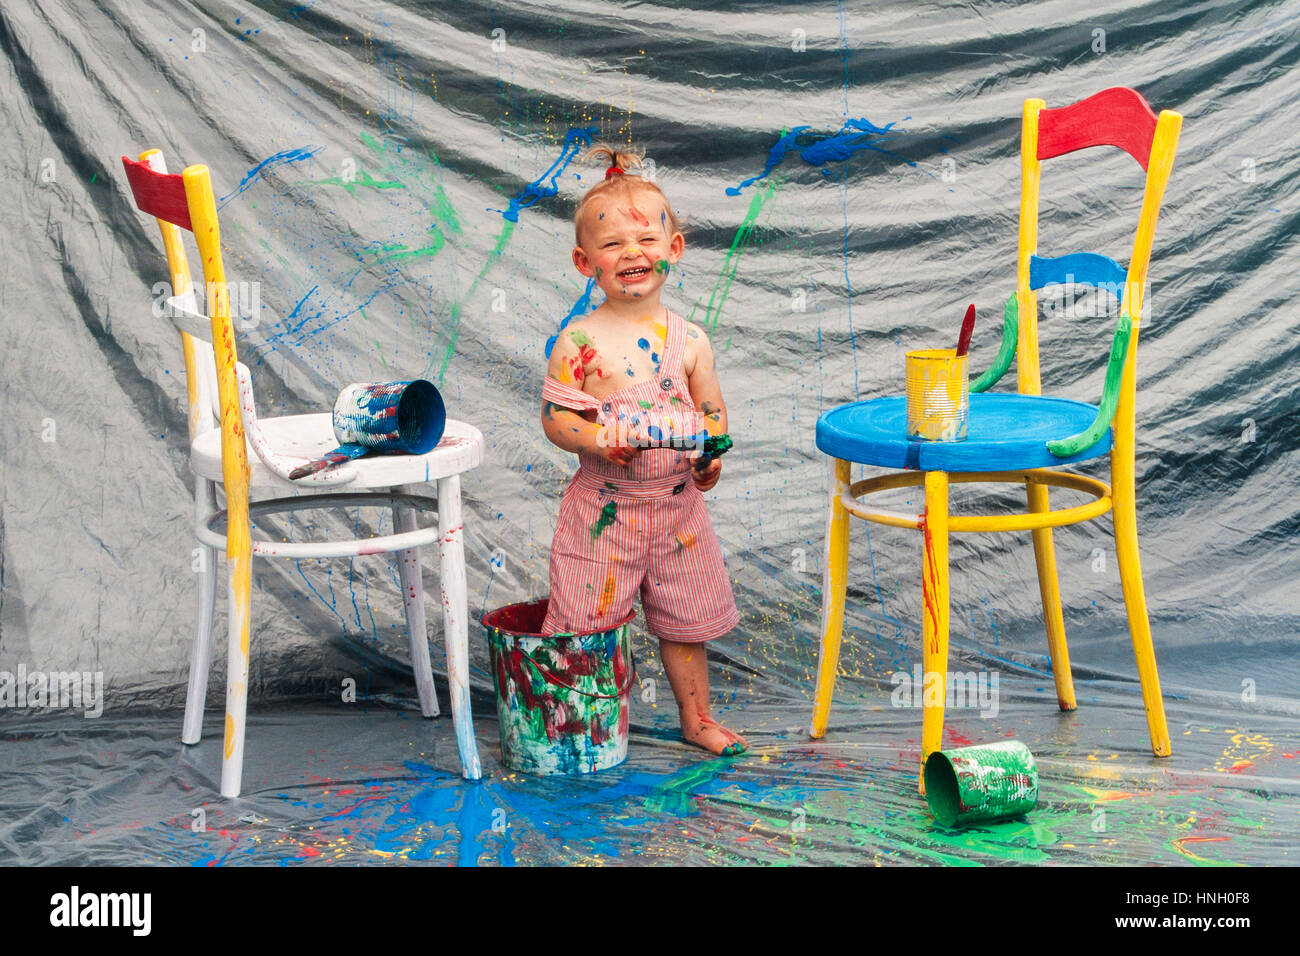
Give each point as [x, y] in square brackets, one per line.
[310, 436]
[1005, 432]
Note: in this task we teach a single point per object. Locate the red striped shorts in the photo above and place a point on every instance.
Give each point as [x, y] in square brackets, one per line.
[614, 539]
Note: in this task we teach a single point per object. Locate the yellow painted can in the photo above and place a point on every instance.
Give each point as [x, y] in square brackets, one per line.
[938, 395]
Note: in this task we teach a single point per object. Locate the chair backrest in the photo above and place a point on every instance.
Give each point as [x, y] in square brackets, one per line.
[1115, 117]
[185, 201]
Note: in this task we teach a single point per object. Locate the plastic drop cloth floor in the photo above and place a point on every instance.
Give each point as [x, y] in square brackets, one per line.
[375, 783]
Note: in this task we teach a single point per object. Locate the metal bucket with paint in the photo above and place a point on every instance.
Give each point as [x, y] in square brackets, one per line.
[407, 417]
[974, 784]
[938, 395]
[563, 700]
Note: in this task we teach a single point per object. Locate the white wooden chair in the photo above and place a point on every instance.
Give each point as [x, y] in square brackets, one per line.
[239, 451]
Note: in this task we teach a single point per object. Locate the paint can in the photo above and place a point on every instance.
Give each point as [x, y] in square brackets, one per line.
[938, 395]
[986, 782]
[563, 700]
[407, 417]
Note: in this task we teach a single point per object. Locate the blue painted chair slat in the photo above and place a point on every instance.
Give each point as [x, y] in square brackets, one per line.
[1081, 268]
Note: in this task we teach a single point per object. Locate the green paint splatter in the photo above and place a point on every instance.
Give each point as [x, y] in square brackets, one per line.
[362, 179]
[674, 794]
[580, 338]
[661, 266]
[503, 238]
[607, 516]
[398, 252]
[644, 404]
[722, 285]
[444, 211]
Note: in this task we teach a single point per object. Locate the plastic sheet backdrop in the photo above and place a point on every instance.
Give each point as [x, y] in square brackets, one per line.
[396, 183]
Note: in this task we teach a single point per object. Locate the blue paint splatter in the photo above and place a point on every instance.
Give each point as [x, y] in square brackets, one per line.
[581, 307]
[573, 139]
[279, 159]
[854, 135]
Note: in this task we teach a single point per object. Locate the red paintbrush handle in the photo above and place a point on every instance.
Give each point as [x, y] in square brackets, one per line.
[967, 327]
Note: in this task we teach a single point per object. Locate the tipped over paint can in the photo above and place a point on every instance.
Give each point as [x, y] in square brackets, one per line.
[406, 417]
[987, 782]
[563, 700]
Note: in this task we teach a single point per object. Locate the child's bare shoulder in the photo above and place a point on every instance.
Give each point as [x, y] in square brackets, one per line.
[697, 347]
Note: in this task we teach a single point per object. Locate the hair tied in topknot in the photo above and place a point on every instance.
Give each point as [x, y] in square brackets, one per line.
[614, 171]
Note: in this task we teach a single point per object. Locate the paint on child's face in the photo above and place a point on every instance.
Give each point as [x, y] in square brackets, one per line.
[616, 237]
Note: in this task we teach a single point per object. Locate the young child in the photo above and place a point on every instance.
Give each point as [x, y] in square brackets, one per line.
[633, 519]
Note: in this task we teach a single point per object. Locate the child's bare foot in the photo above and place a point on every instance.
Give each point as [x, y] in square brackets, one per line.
[704, 731]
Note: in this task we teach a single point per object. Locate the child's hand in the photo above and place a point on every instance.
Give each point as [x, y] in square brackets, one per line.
[706, 477]
[607, 439]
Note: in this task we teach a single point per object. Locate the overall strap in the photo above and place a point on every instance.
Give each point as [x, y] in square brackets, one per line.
[557, 393]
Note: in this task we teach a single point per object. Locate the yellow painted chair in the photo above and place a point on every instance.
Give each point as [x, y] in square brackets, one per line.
[1016, 438]
[242, 452]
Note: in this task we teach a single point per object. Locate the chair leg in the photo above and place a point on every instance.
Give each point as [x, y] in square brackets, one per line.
[408, 566]
[934, 630]
[196, 693]
[1050, 589]
[240, 574]
[455, 604]
[834, 588]
[1124, 509]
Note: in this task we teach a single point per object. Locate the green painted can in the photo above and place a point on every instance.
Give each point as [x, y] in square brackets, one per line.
[973, 784]
[563, 700]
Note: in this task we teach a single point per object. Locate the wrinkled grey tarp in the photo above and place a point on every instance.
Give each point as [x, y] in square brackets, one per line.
[368, 158]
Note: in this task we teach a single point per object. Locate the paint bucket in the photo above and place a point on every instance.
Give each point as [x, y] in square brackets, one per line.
[563, 700]
[404, 417]
[988, 782]
[938, 395]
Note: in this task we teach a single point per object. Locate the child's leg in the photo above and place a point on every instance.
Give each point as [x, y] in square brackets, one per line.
[687, 668]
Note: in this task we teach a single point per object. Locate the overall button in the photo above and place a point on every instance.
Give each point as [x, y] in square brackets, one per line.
[667, 384]
[606, 408]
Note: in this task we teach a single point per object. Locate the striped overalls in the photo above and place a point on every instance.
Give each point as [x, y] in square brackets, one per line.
[640, 528]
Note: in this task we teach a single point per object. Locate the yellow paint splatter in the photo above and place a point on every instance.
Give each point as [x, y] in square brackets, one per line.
[606, 595]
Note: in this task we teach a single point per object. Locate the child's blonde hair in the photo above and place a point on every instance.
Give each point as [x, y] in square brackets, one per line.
[619, 182]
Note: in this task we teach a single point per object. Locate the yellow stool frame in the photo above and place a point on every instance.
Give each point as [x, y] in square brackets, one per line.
[845, 498]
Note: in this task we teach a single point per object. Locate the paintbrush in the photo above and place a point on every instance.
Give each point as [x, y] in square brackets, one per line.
[337, 457]
[712, 447]
[967, 327]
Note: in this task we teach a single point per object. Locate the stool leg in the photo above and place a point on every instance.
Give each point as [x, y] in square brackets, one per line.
[455, 605]
[1124, 508]
[934, 630]
[1050, 590]
[196, 693]
[408, 565]
[834, 588]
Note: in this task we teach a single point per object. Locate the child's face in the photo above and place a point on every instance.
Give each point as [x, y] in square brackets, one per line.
[627, 246]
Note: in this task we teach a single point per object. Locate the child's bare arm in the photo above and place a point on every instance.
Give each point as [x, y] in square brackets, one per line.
[706, 390]
[704, 385]
[564, 426]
